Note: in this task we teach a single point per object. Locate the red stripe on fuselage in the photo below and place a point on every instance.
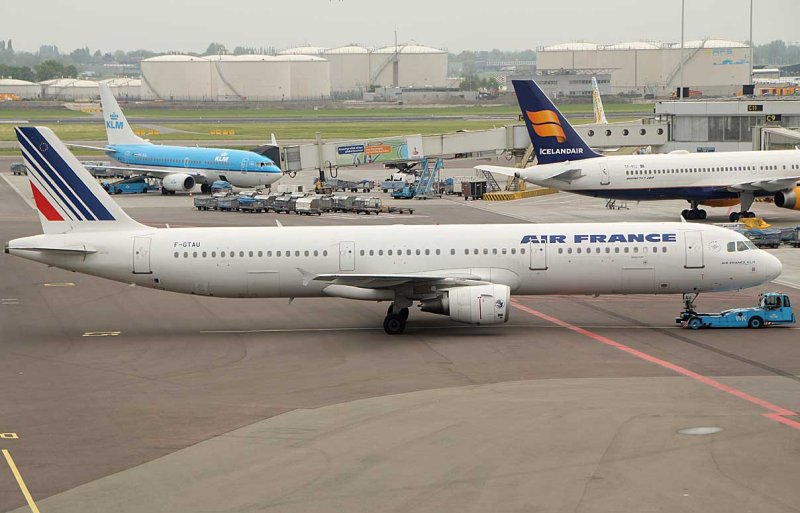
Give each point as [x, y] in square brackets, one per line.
[44, 206]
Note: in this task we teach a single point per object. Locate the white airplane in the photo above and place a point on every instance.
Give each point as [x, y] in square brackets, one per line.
[567, 163]
[450, 270]
[180, 167]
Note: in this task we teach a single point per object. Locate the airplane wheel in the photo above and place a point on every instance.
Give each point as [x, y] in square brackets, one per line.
[685, 214]
[703, 214]
[755, 323]
[404, 313]
[734, 217]
[394, 324]
[695, 323]
[749, 215]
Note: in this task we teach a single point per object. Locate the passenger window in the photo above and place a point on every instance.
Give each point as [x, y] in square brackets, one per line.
[503, 251]
[663, 249]
[297, 253]
[513, 251]
[636, 249]
[176, 254]
[616, 250]
[521, 251]
[241, 253]
[466, 251]
[627, 250]
[569, 251]
[560, 250]
[260, 254]
[204, 254]
[452, 251]
[578, 251]
[213, 254]
[307, 254]
[389, 252]
[427, 252]
[608, 250]
[325, 252]
[418, 252]
[194, 255]
[494, 251]
[251, 254]
[269, 254]
[362, 253]
[741, 246]
[475, 251]
[380, 252]
[371, 252]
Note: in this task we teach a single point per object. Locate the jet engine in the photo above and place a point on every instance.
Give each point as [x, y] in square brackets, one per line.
[178, 182]
[477, 304]
[788, 199]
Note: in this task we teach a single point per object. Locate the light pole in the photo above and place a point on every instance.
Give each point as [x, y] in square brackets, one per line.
[683, 7]
[752, 57]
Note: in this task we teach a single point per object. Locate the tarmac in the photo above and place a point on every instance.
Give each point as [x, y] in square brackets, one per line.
[124, 399]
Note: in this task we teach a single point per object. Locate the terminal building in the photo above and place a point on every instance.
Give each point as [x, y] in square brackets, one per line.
[736, 124]
[712, 67]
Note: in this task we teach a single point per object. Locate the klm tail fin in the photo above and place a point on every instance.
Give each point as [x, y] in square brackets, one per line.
[597, 102]
[553, 137]
[66, 196]
[117, 128]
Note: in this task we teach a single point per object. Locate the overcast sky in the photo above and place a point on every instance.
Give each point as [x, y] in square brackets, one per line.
[162, 25]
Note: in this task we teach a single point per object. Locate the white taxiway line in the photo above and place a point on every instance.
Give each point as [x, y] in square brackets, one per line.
[376, 328]
[25, 198]
[787, 284]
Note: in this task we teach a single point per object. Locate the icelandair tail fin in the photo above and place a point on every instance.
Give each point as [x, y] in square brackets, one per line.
[67, 197]
[597, 102]
[117, 128]
[553, 137]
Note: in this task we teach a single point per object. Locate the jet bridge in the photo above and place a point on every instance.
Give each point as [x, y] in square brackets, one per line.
[512, 140]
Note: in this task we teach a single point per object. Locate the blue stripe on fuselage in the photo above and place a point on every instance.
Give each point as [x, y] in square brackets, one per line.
[666, 193]
[214, 159]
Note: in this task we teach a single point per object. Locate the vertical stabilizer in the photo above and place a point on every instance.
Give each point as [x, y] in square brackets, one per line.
[552, 136]
[597, 102]
[67, 197]
[118, 130]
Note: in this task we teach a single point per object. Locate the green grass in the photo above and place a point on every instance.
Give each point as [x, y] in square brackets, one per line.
[321, 113]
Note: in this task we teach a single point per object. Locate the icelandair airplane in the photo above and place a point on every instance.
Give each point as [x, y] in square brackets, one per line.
[447, 270]
[597, 103]
[714, 179]
[180, 167]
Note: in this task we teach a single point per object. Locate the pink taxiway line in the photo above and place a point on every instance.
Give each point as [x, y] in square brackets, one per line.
[776, 413]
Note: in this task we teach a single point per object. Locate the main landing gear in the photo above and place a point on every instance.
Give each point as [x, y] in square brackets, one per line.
[746, 199]
[395, 321]
[695, 213]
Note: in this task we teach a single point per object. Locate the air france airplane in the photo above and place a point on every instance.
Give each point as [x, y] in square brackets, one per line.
[445, 270]
[715, 179]
[180, 167]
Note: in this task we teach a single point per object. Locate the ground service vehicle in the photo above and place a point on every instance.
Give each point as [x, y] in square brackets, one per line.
[773, 309]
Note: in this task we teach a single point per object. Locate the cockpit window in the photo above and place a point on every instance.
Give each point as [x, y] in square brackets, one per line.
[731, 247]
[741, 246]
[751, 245]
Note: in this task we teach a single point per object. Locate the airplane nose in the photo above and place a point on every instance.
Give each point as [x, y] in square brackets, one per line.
[772, 266]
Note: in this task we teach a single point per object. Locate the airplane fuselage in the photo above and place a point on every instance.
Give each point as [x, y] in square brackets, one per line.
[627, 258]
[693, 177]
[239, 167]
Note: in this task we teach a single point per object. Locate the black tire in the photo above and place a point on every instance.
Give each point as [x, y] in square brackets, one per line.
[695, 323]
[755, 323]
[733, 217]
[394, 324]
[703, 214]
[404, 313]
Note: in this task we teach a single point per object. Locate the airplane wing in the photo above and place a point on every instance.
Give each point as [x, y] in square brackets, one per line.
[532, 174]
[390, 280]
[771, 185]
[153, 172]
[86, 147]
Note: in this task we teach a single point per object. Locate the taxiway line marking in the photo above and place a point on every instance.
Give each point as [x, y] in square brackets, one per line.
[443, 327]
[24, 198]
[776, 413]
[787, 284]
[20, 481]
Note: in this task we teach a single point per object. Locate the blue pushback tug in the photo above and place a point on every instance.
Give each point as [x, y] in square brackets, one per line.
[773, 308]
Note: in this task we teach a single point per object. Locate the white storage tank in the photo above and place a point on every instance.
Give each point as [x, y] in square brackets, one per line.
[70, 89]
[250, 77]
[22, 88]
[304, 50]
[418, 66]
[309, 76]
[349, 67]
[176, 77]
[124, 88]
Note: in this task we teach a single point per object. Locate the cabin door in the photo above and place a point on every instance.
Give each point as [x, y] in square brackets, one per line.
[694, 250]
[347, 256]
[244, 165]
[141, 255]
[538, 258]
[605, 178]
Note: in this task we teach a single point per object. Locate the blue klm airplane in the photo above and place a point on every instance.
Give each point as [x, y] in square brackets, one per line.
[180, 167]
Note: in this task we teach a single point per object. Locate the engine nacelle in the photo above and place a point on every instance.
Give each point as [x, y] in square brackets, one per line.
[178, 182]
[478, 304]
[788, 199]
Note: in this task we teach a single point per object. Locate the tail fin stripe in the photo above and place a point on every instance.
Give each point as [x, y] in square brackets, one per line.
[48, 185]
[77, 186]
[54, 183]
[44, 206]
[36, 177]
